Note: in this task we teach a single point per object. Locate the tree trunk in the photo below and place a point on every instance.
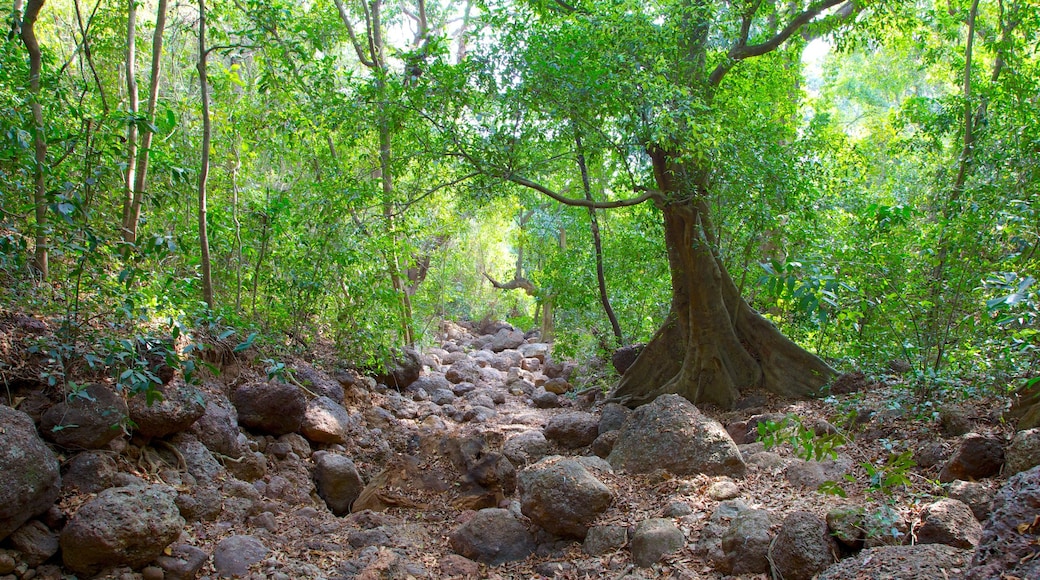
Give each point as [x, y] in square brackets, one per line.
[713, 345]
[32, 46]
[207, 279]
[132, 104]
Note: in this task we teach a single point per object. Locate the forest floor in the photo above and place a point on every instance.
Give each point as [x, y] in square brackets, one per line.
[878, 422]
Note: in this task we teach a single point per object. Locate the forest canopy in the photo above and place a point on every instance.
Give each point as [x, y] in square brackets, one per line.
[765, 193]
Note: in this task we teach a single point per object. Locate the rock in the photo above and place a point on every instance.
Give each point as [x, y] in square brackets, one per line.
[506, 338]
[557, 386]
[85, 421]
[325, 421]
[978, 496]
[182, 562]
[572, 430]
[1007, 549]
[233, 556]
[402, 370]
[507, 359]
[122, 526]
[803, 547]
[1024, 452]
[152, 573]
[319, 383]
[456, 566]
[178, 407]
[525, 448]
[492, 536]
[217, 428]
[653, 539]
[561, 496]
[271, 407]
[604, 444]
[612, 417]
[723, 489]
[338, 482]
[930, 454]
[849, 383]
[846, 525]
[949, 521]
[670, 433]
[677, 509]
[811, 474]
[603, 539]
[976, 457]
[89, 472]
[535, 350]
[36, 542]
[543, 399]
[624, 357]
[463, 371]
[745, 544]
[915, 562]
[954, 421]
[29, 476]
[442, 396]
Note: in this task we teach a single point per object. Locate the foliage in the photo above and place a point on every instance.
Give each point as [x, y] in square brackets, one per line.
[806, 443]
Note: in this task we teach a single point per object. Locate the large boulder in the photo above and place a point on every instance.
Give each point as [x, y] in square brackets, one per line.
[463, 371]
[1008, 545]
[975, 494]
[506, 338]
[325, 421]
[492, 536]
[318, 382]
[561, 496]
[1024, 451]
[87, 420]
[526, 447]
[29, 476]
[402, 370]
[572, 430]
[338, 481]
[745, 544]
[217, 428]
[951, 522]
[803, 547]
[977, 456]
[178, 406]
[122, 526]
[903, 563]
[271, 407]
[670, 433]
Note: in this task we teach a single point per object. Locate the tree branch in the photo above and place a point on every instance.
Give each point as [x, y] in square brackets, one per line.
[353, 37]
[516, 283]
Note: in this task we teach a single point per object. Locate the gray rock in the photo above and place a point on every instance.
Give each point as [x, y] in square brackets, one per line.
[538, 350]
[506, 338]
[325, 421]
[677, 509]
[1024, 452]
[949, 521]
[846, 525]
[178, 407]
[403, 370]
[572, 430]
[803, 547]
[915, 562]
[442, 396]
[338, 482]
[562, 497]
[745, 544]
[182, 562]
[318, 382]
[653, 539]
[977, 457]
[810, 474]
[233, 556]
[271, 407]
[613, 417]
[1004, 551]
[217, 428]
[723, 489]
[604, 444]
[493, 536]
[89, 472]
[670, 433]
[86, 421]
[543, 399]
[122, 526]
[603, 539]
[978, 496]
[29, 476]
[463, 371]
[525, 448]
[506, 360]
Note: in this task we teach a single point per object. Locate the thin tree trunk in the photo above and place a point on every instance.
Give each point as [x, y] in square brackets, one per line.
[132, 104]
[234, 218]
[207, 280]
[32, 46]
[141, 171]
[601, 279]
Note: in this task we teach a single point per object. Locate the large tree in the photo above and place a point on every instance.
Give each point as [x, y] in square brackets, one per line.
[649, 80]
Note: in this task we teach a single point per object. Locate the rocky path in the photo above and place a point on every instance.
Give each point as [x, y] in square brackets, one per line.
[479, 458]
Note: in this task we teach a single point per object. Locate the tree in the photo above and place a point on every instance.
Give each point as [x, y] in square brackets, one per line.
[650, 79]
[207, 133]
[32, 46]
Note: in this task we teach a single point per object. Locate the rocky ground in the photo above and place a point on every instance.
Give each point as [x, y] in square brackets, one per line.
[484, 457]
